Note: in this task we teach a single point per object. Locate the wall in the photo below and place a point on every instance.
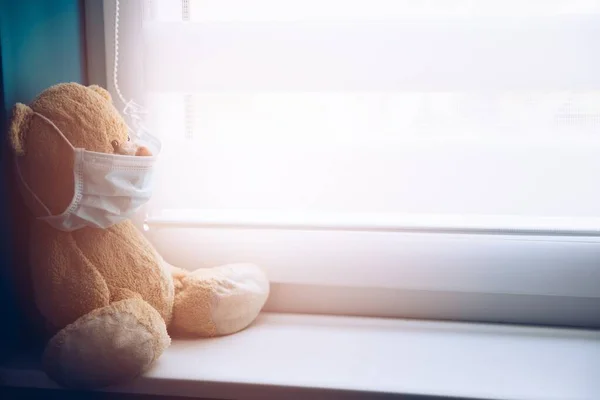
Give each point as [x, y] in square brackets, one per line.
[41, 44]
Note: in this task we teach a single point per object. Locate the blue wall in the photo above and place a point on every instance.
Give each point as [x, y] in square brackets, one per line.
[41, 44]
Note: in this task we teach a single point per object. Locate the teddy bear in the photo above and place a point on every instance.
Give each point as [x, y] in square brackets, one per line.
[109, 301]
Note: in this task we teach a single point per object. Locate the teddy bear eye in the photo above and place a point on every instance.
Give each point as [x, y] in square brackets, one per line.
[128, 138]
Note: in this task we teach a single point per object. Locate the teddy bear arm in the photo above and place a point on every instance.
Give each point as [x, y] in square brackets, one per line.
[129, 265]
[66, 284]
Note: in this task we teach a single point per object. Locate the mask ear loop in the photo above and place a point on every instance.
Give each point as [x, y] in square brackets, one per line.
[53, 125]
[24, 184]
[20, 174]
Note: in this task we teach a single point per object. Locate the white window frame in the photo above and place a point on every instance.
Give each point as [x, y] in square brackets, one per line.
[471, 273]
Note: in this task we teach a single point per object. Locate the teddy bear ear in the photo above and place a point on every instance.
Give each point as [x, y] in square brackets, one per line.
[18, 127]
[101, 91]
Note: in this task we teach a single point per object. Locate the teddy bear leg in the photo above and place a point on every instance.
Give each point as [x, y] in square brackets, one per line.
[110, 345]
[217, 301]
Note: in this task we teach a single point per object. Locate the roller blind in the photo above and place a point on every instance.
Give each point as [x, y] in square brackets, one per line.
[405, 148]
[476, 112]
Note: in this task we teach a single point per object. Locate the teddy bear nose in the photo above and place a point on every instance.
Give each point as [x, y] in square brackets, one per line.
[130, 149]
[143, 151]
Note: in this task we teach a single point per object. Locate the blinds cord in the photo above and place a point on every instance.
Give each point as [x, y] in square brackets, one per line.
[131, 109]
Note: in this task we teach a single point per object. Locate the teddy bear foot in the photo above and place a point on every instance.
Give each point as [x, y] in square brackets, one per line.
[218, 301]
[108, 346]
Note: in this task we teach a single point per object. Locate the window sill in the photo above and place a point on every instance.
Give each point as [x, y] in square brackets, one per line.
[300, 356]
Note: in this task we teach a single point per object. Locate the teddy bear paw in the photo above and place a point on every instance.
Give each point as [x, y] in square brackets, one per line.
[219, 301]
[108, 346]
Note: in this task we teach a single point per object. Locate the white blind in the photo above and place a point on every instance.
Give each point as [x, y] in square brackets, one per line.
[481, 110]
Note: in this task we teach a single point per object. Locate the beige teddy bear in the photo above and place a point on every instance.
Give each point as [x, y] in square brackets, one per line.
[108, 298]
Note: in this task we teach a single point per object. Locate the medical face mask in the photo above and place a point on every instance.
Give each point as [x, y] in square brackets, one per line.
[109, 188]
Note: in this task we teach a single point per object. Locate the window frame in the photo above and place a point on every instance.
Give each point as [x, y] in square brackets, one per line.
[571, 306]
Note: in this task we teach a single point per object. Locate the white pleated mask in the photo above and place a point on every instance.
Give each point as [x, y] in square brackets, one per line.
[109, 188]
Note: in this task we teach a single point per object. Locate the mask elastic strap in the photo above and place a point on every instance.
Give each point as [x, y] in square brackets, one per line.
[26, 186]
[18, 168]
[56, 129]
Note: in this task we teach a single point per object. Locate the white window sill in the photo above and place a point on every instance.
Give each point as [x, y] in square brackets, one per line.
[301, 356]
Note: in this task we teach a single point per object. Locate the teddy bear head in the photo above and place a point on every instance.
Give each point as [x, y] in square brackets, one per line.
[43, 134]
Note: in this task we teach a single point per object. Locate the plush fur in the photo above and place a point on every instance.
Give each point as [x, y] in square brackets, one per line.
[107, 297]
